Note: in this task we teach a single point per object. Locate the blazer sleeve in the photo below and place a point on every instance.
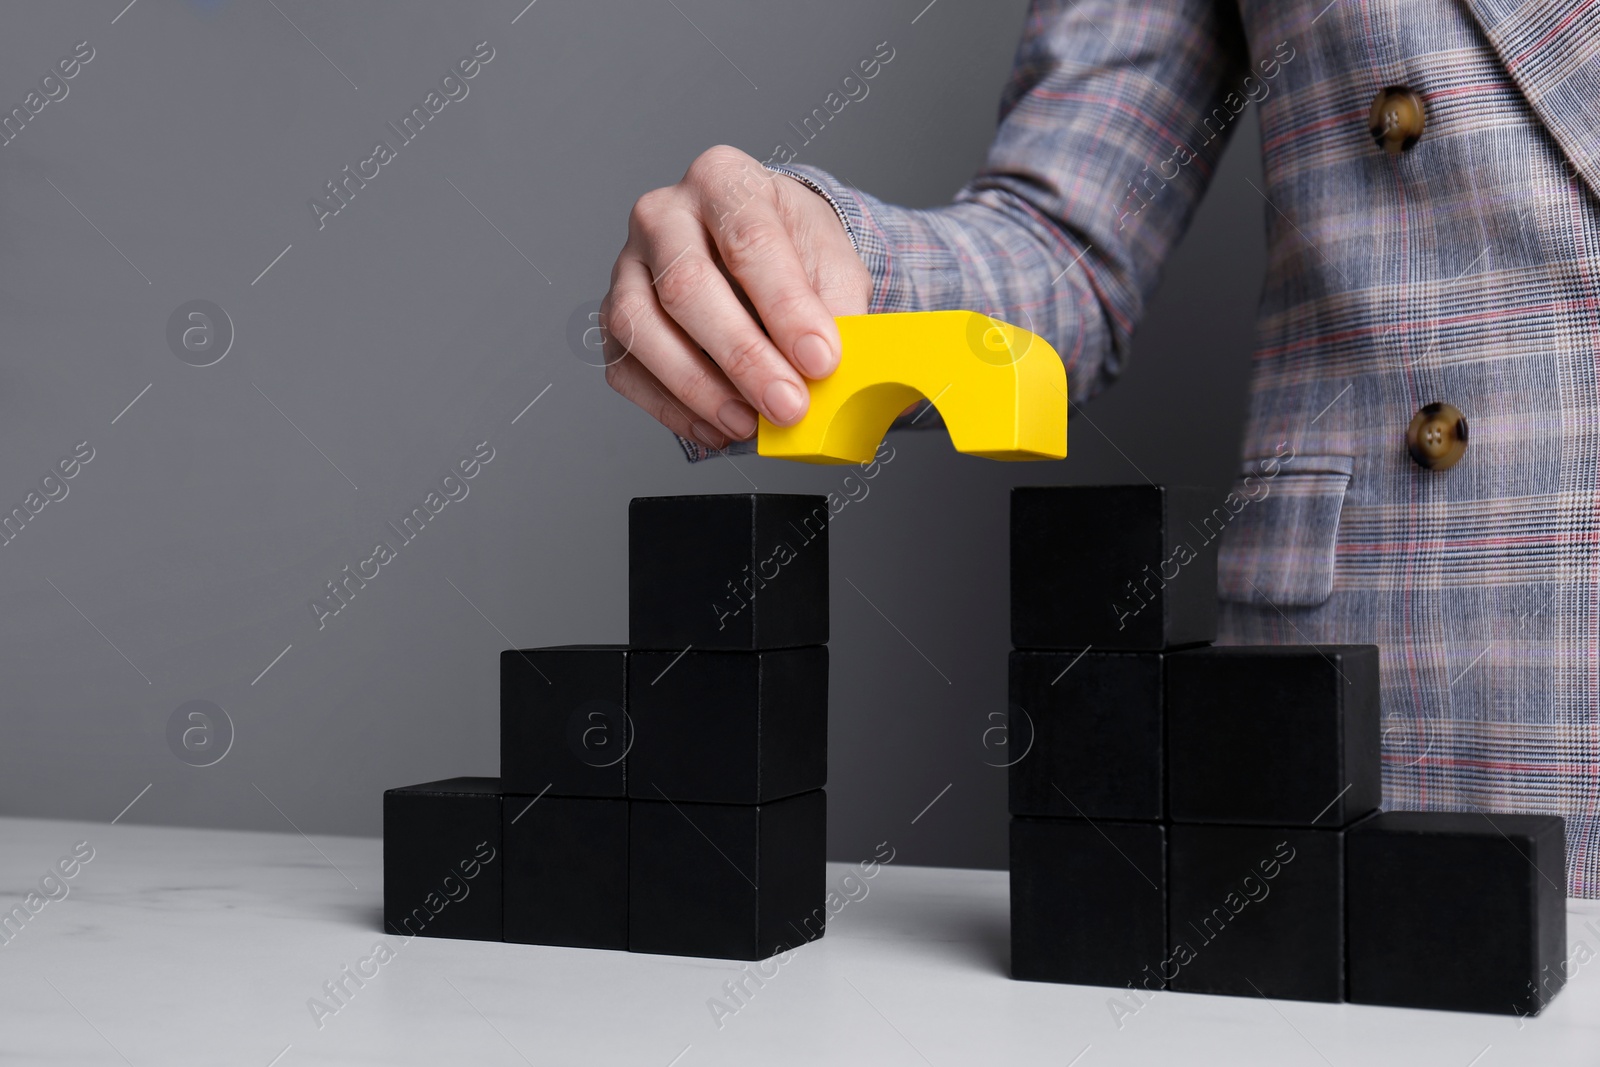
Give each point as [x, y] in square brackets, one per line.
[1110, 128]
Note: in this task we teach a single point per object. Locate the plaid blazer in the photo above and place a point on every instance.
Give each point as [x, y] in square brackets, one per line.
[1462, 270]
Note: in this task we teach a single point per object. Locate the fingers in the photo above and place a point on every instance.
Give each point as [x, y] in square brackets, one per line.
[738, 207]
[690, 288]
[630, 378]
[723, 300]
[638, 325]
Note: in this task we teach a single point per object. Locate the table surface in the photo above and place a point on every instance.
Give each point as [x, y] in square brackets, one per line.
[177, 946]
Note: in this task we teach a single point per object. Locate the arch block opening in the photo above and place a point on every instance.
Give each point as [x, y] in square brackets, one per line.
[1000, 389]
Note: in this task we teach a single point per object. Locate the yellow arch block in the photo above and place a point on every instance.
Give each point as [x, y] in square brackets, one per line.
[1001, 390]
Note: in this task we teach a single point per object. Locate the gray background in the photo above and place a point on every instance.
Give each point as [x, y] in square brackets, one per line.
[185, 554]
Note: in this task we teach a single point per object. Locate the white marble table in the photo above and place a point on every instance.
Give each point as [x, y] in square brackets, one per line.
[177, 947]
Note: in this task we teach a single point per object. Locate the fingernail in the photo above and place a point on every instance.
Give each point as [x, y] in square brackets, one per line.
[709, 436]
[739, 418]
[815, 356]
[784, 401]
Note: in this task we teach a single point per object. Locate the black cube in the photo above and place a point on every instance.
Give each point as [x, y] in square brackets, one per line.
[1088, 902]
[566, 871]
[563, 720]
[442, 859]
[1123, 567]
[1085, 734]
[1256, 911]
[728, 727]
[727, 881]
[1459, 911]
[1277, 736]
[738, 572]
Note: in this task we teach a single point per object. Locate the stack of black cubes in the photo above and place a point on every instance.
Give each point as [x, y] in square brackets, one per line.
[664, 796]
[1203, 819]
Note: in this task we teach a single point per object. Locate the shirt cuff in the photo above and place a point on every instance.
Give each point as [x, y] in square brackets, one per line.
[694, 451]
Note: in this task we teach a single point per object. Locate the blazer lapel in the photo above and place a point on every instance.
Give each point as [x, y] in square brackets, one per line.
[1552, 50]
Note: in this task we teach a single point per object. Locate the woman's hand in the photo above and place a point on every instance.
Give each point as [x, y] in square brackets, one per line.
[723, 299]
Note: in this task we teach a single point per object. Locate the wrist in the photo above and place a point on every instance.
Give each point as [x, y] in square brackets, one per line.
[844, 220]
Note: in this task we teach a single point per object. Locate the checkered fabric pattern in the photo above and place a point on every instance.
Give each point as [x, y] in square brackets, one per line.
[1461, 271]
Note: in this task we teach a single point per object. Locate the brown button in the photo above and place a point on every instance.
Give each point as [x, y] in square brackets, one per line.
[1397, 119]
[1437, 437]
